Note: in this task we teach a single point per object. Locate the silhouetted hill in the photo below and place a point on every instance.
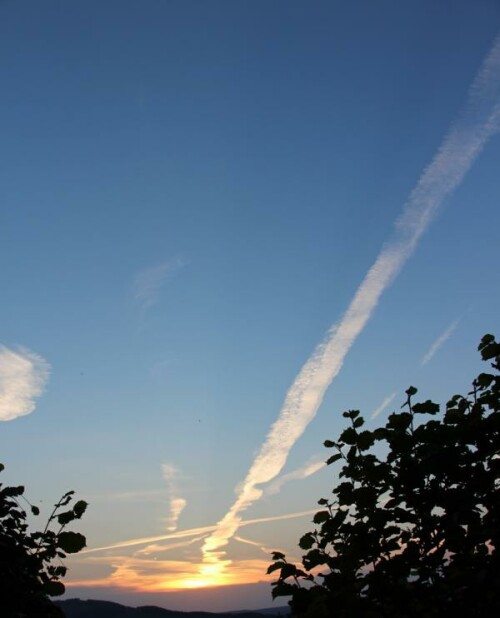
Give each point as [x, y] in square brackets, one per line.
[75, 608]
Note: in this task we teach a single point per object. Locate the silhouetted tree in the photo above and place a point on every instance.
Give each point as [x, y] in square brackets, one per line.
[30, 562]
[414, 532]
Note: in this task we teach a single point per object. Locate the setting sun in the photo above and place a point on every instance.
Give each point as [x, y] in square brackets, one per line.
[200, 583]
[224, 223]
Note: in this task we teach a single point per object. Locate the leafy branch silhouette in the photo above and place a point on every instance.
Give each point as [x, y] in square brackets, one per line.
[31, 563]
[413, 526]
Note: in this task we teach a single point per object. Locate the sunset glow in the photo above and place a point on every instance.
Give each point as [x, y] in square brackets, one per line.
[223, 224]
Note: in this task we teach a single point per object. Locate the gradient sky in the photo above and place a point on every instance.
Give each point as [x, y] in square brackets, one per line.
[223, 223]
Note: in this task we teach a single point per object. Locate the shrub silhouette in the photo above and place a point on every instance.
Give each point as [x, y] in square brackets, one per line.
[414, 532]
[31, 565]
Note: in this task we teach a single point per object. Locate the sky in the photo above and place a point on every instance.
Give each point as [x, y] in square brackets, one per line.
[223, 223]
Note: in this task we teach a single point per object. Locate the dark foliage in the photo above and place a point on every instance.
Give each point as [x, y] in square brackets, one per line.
[414, 533]
[31, 565]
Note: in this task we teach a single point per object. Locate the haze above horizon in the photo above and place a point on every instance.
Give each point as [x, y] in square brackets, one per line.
[223, 224]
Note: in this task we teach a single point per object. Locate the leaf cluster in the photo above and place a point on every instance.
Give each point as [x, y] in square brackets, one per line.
[31, 564]
[414, 532]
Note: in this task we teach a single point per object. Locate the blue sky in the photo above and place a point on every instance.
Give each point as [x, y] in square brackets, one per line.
[191, 195]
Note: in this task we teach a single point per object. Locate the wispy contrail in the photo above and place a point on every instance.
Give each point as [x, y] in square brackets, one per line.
[311, 467]
[156, 548]
[439, 342]
[183, 534]
[383, 405]
[148, 283]
[479, 120]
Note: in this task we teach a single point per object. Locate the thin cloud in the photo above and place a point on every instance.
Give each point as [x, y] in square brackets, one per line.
[177, 504]
[180, 534]
[149, 282]
[249, 542]
[23, 376]
[439, 342]
[263, 548]
[156, 548]
[147, 570]
[310, 468]
[183, 534]
[479, 121]
[383, 405]
[153, 575]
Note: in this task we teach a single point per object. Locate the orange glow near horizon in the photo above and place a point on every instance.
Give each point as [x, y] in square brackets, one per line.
[145, 571]
[196, 582]
[163, 576]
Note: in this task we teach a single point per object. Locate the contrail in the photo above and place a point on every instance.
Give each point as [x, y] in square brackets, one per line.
[479, 120]
[383, 405]
[311, 467]
[183, 534]
[147, 283]
[439, 342]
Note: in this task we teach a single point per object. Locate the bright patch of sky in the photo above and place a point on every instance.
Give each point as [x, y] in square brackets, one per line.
[192, 193]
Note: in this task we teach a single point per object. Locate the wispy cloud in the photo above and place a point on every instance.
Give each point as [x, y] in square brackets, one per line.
[23, 376]
[311, 467]
[262, 548]
[383, 405]
[149, 282]
[147, 570]
[153, 575]
[179, 534]
[183, 534]
[158, 548]
[177, 504]
[443, 337]
[479, 120]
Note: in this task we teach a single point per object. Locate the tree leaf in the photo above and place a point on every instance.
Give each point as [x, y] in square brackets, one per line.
[333, 458]
[321, 516]
[65, 518]
[275, 566]
[79, 508]
[307, 541]
[12, 492]
[349, 436]
[53, 588]
[71, 542]
[282, 589]
[427, 407]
